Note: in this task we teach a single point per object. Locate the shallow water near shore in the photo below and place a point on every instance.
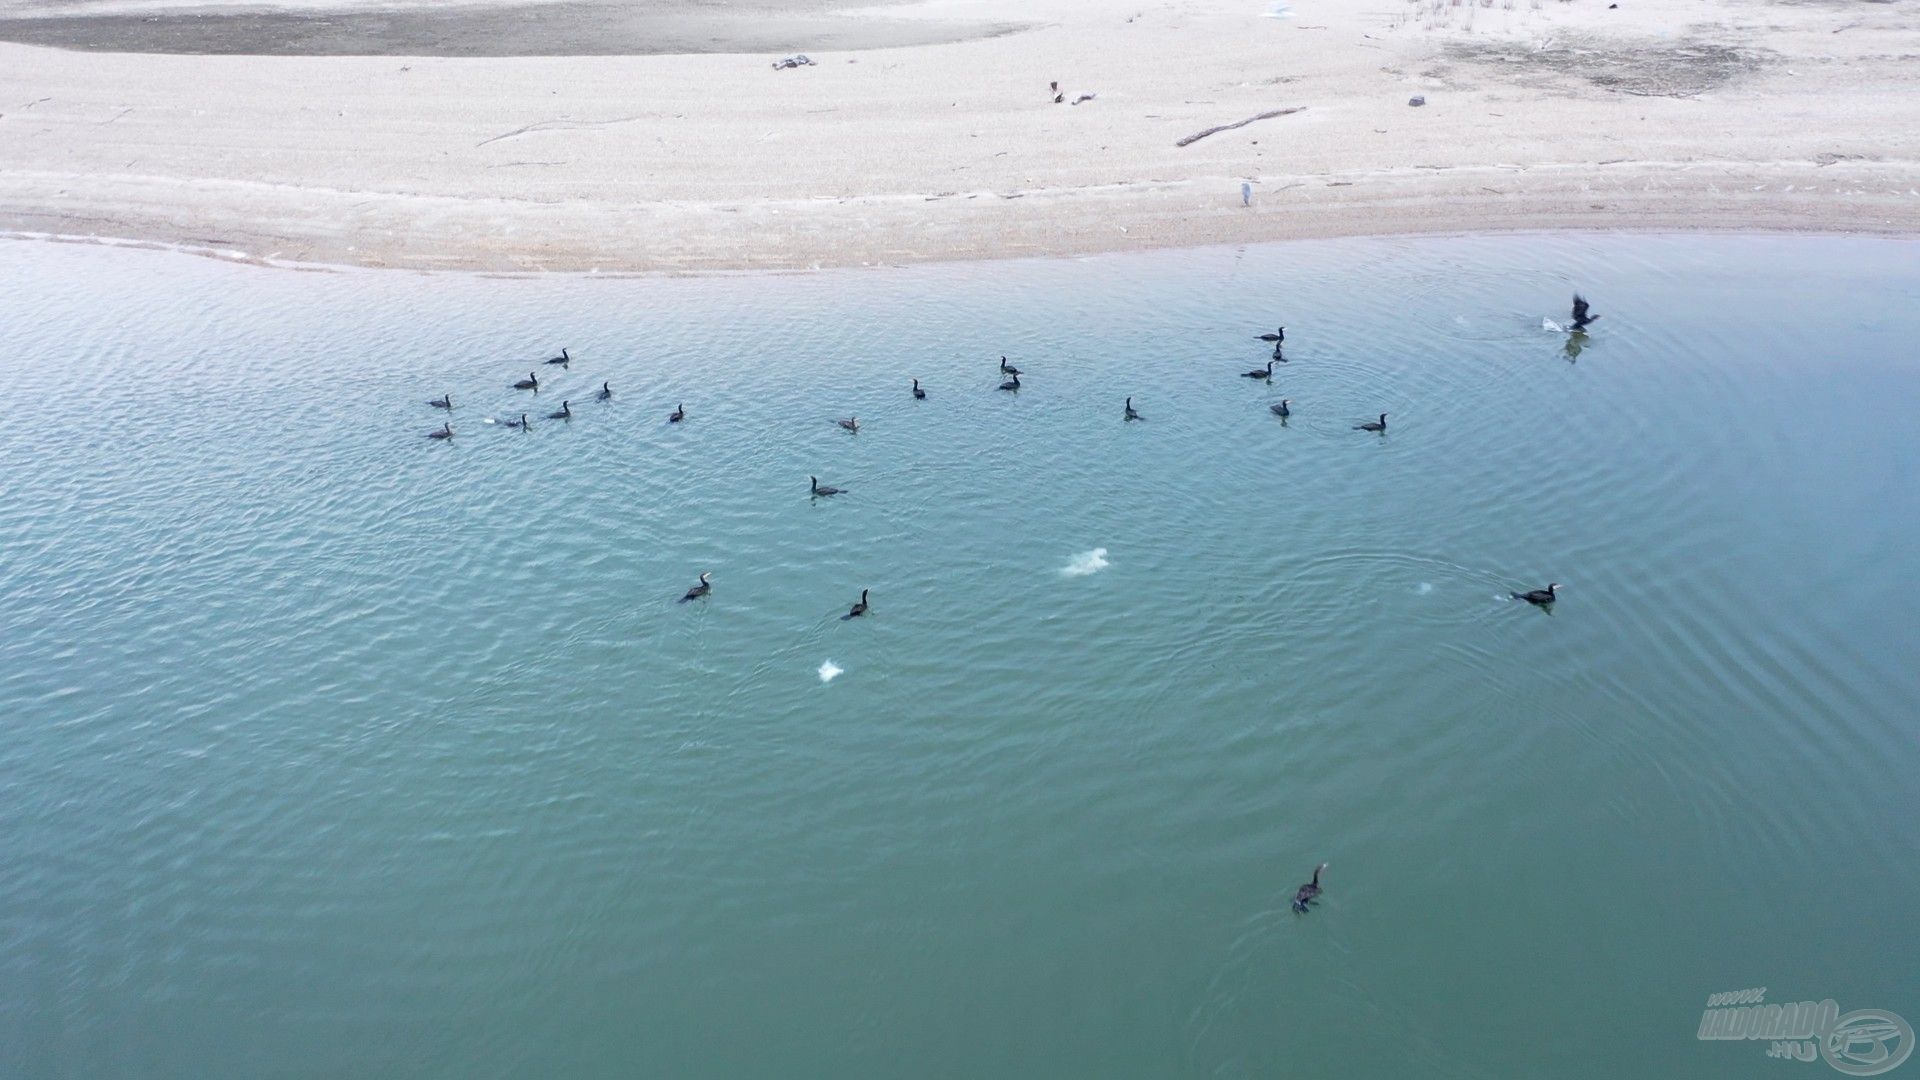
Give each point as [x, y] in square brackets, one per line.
[527, 28]
[336, 751]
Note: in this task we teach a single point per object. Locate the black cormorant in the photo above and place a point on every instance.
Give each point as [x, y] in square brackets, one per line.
[1307, 895]
[1539, 597]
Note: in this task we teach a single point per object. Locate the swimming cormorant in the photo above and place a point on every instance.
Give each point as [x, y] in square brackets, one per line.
[1259, 373]
[678, 414]
[1012, 383]
[521, 423]
[563, 360]
[860, 607]
[918, 394]
[445, 432]
[606, 392]
[1006, 368]
[851, 423]
[820, 490]
[1307, 895]
[1276, 337]
[1282, 410]
[565, 412]
[1130, 414]
[531, 382]
[1539, 597]
[1379, 425]
[444, 401]
[699, 590]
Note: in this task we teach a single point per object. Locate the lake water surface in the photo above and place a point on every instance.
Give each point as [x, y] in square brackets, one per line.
[332, 751]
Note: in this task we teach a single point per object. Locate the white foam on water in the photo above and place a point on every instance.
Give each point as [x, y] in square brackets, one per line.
[1551, 327]
[1087, 562]
[1424, 588]
[829, 671]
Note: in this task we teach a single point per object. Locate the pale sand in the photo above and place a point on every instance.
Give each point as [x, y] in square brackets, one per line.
[1658, 114]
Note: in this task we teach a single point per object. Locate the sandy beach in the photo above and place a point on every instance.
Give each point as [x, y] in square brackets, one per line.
[928, 132]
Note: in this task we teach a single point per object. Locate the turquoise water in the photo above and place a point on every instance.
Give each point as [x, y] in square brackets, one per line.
[334, 751]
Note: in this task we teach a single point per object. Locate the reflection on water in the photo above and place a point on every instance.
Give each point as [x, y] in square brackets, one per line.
[338, 750]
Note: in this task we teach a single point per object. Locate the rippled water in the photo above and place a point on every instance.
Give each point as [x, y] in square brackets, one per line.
[333, 751]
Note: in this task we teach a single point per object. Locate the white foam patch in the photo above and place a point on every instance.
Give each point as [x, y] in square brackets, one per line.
[1424, 588]
[1087, 562]
[829, 671]
[1551, 327]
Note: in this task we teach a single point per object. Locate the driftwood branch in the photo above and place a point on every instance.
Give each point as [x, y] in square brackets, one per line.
[1197, 136]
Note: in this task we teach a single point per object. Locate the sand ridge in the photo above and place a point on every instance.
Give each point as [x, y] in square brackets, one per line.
[1540, 113]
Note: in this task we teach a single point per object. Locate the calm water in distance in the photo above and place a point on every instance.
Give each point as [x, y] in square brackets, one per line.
[334, 751]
